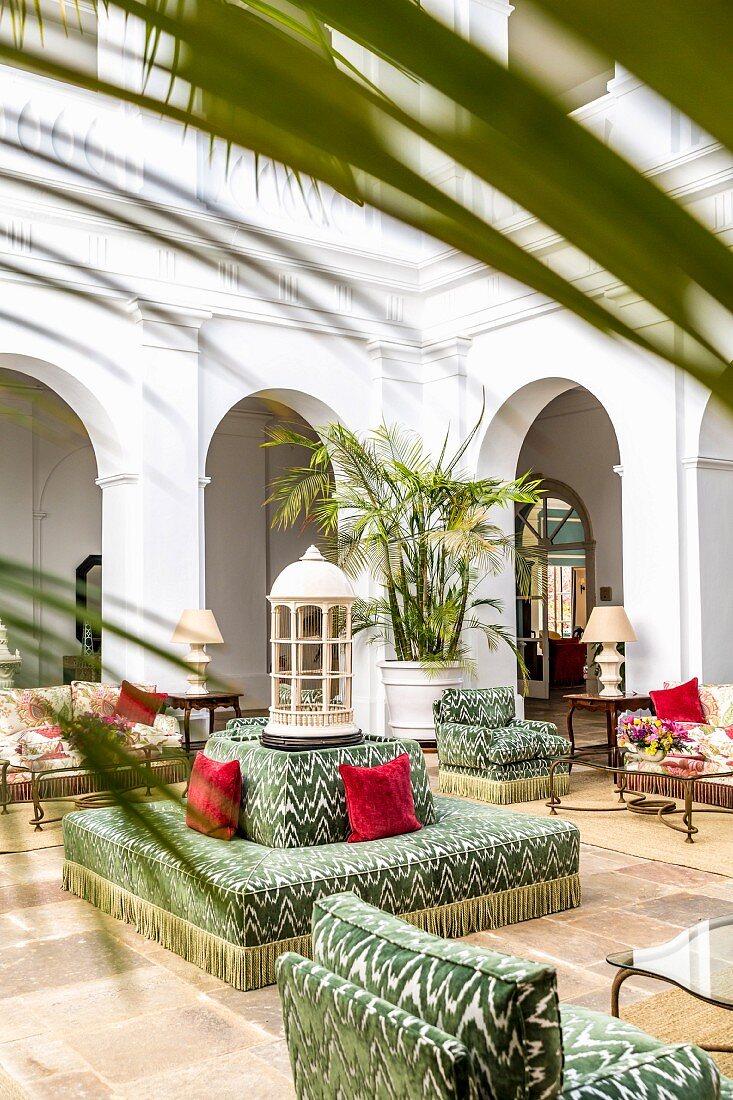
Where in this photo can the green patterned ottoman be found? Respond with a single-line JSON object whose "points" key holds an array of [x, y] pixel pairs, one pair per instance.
{"points": [[297, 799], [485, 752], [233, 908]]}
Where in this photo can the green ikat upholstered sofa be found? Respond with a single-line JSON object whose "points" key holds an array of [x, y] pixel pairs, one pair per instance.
{"points": [[387, 1012], [485, 752], [234, 907]]}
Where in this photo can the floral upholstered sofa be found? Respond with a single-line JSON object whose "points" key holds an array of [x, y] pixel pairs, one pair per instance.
{"points": [[31, 734], [387, 1011], [712, 740]]}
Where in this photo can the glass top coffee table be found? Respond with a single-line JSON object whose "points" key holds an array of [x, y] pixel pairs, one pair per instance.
{"points": [[687, 772], [698, 960]]}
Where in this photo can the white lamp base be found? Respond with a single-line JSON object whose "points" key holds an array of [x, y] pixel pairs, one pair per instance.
{"points": [[198, 661], [610, 661]]}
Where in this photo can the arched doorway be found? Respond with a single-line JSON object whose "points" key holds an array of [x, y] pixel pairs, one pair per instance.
{"points": [[571, 447], [555, 599], [243, 551], [51, 518]]}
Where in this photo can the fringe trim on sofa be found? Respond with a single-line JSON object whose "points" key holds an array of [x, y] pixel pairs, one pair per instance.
{"points": [[501, 792], [85, 782], [253, 967], [708, 792]]}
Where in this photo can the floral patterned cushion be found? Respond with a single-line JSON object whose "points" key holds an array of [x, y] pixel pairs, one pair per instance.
{"points": [[28, 708], [717, 703], [99, 700]]}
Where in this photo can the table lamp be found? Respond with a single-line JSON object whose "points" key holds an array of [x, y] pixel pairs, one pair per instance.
{"points": [[609, 625], [198, 628]]}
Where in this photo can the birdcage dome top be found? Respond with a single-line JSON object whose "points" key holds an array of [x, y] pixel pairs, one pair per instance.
{"points": [[314, 579]]}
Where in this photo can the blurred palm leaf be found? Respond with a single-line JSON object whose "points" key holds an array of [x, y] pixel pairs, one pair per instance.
{"points": [[268, 79]]}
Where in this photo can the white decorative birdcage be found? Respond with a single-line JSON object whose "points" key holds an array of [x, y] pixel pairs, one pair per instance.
{"points": [[311, 673]]}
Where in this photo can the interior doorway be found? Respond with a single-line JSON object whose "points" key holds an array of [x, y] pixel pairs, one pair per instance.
{"points": [[553, 608]]}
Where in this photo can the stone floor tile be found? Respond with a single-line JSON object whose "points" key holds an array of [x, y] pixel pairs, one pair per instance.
{"points": [[24, 867], [71, 1086], [274, 1054], [40, 1056], [646, 930], [46, 964], [259, 1007], [27, 894], [56, 919], [685, 907], [240, 1074], [136, 1048], [673, 875], [616, 889]]}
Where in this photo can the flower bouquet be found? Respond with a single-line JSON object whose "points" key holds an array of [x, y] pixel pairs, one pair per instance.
{"points": [[648, 737]]}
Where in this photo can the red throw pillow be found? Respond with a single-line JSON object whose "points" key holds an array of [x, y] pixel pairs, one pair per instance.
{"points": [[379, 800], [137, 705], [214, 795], [679, 704]]}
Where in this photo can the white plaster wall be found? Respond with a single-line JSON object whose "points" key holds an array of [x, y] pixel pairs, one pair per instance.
{"points": [[244, 553], [573, 441]]}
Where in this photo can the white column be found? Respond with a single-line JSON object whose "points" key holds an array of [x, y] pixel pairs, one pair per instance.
{"points": [[169, 485], [445, 403], [711, 614], [122, 570]]}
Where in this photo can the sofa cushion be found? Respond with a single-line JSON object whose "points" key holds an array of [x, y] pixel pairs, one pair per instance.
{"points": [[680, 703], [99, 700], [28, 708], [717, 703], [214, 794], [504, 1010], [297, 799], [614, 1059], [379, 800], [343, 1041], [478, 747], [491, 707]]}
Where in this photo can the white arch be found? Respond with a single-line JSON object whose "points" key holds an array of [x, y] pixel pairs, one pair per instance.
{"points": [[87, 406], [506, 430], [314, 411]]}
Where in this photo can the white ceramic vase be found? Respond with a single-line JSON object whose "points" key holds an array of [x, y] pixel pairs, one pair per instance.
{"points": [[411, 692]]}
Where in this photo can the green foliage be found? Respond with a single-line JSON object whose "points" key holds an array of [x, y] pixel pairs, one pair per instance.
{"points": [[423, 530]]}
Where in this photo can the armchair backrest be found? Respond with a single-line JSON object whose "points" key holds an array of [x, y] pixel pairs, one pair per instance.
{"points": [[503, 1010], [490, 707]]}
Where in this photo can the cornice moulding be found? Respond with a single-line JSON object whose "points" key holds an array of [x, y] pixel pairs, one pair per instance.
{"points": [[707, 462], [116, 479]]}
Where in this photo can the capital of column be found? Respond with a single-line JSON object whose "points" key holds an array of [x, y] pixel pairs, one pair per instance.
{"points": [[113, 480], [204, 481], [445, 358], [394, 361], [162, 325]]}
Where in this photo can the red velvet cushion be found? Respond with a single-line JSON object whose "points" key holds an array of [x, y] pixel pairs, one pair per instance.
{"points": [[214, 795], [679, 704], [137, 705], [379, 800]]}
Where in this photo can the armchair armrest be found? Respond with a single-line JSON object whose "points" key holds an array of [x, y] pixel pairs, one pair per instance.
{"points": [[667, 1073], [344, 1041]]}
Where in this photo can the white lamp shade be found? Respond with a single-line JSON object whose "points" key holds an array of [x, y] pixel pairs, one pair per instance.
{"points": [[609, 624], [197, 626]]}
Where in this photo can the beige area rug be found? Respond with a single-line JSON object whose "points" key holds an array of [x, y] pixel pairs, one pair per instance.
{"points": [[641, 834], [676, 1017], [18, 835]]}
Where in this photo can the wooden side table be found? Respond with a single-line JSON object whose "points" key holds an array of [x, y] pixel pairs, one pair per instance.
{"points": [[613, 705], [211, 701]]}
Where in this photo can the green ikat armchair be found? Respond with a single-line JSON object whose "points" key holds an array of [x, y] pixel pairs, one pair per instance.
{"points": [[388, 1012], [485, 752]]}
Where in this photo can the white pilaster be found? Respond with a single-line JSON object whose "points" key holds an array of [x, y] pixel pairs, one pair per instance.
{"points": [[170, 495]]}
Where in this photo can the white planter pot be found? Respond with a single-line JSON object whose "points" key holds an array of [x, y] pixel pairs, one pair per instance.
{"points": [[411, 692]]}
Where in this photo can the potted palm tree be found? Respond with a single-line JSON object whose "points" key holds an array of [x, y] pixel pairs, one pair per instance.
{"points": [[425, 532]]}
